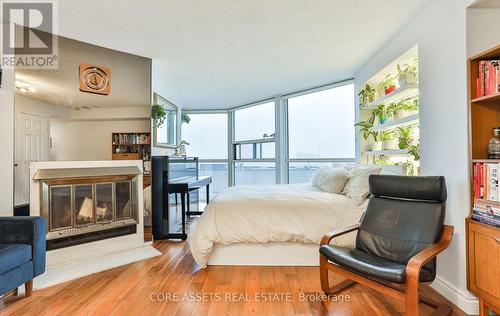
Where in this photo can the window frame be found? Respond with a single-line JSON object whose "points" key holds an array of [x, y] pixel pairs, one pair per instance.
{"points": [[234, 142], [282, 158], [289, 160]]}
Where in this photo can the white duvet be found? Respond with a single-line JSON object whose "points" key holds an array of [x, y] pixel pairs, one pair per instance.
{"points": [[272, 213]]}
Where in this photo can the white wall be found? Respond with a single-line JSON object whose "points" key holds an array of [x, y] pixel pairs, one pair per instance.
{"points": [[440, 32], [482, 30], [160, 86], [7, 143]]}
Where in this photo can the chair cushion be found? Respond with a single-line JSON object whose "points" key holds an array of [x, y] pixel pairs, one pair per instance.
{"points": [[371, 266], [13, 256]]}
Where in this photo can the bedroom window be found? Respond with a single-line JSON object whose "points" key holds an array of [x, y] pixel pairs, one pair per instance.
{"points": [[320, 131], [210, 147], [254, 144]]}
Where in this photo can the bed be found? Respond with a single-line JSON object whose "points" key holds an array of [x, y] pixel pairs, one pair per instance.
{"points": [[271, 225]]}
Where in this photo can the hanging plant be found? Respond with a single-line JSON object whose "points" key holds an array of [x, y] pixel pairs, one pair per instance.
{"points": [[158, 114], [185, 118]]}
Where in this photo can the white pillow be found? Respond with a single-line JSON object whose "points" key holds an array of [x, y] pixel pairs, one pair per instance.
{"points": [[330, 180], [357, 187]]}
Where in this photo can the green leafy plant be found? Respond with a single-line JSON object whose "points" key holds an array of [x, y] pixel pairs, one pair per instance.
{"points": [[409, 166], [387, 82], [414, 150], [366, 95], [366, 129], [383, 112], [406, 105], [185, 118], [158, 114], [405, 137], [407, 69], [386, 136]]}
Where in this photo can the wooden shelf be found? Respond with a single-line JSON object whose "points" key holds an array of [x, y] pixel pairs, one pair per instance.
{"points": [[405, 121], [400, 93], [495, 97], [483, 248], [387, 152], [486, 160]]}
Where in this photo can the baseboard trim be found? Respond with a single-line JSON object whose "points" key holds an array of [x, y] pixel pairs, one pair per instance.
{"points": [[462, 299]]}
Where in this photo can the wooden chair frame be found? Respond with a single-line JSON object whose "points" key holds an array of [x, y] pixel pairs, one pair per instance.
{"points": [[409, 291]]}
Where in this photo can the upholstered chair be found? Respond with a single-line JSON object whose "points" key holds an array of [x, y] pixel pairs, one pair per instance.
{"points": [[398, 239], [22, 252]]}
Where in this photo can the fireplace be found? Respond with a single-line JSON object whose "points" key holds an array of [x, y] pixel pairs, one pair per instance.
{"points": [[88, 204]]}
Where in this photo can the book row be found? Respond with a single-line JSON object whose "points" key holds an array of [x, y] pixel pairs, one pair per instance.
{"points": [[488, 81], [131, 139]]}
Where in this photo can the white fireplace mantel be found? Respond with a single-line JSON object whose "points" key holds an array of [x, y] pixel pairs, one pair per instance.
{"points": [[68, 263]]}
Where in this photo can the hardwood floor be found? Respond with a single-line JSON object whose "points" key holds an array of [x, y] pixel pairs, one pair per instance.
{"points": [[168, 285]]}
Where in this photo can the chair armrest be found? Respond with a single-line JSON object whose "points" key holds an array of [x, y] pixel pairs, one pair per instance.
{"points": [[417, 262], [339, 232], [26, 230]]}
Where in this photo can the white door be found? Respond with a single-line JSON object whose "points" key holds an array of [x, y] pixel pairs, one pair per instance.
{"points": [[32, 144]]}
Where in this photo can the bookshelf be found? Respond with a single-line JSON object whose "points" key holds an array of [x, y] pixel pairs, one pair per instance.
{"points": [[133, 146], [483, 241]]}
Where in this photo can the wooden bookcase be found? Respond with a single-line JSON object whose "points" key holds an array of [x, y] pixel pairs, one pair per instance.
{"points": [[132, 146], [483, 241]]}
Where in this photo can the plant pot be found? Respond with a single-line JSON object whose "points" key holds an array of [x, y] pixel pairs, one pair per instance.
{"points": [[390, 89], [404, 113], [410, 78], [380, 92], [390, 144], [377, 146]]}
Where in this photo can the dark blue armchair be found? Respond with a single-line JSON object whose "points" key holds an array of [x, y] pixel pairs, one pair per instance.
{"points": [[22, 252]]}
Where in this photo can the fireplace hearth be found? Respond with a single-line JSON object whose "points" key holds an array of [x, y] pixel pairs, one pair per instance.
{"points": [[88, 204]]}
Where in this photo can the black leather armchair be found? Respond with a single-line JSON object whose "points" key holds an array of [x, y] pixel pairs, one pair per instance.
{"points": [[397, 240]]}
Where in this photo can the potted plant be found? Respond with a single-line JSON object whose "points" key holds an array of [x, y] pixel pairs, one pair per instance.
{"points": [[384, 113], [158, 114], [366, 95], [185, 118], [366, 130], [389, 141], [377, 144], [405, 108], [408, 167], [414, 150], [405, 137], [408, 73], [388, 84]]}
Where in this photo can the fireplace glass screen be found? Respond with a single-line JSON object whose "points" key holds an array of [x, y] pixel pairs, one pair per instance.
{"points": [[84, 205], [60, 204], [104, 202], [123, 201]]}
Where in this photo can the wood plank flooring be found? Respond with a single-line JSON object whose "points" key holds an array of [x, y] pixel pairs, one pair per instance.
{"points": [[173, 284]]}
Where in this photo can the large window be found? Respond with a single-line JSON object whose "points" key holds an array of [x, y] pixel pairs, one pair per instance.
{"points": [[254, 145], [207, 135], [315, 129], [254, 122], [320, 130]]}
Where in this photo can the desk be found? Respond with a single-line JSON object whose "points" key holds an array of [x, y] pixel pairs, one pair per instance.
{"points": [[183, 186]]}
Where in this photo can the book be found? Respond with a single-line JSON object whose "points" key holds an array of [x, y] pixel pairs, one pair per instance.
{"points": [[488, 213], [488, 81], [492, 191]]}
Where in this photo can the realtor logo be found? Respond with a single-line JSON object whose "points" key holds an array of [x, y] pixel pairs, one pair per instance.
{"points": [[28, 39]]}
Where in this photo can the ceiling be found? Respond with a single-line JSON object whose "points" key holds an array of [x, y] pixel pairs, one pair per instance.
{"points": [[224, 53], [130, 78]]}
